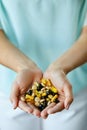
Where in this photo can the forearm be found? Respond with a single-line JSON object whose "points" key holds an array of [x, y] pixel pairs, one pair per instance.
{"points": [[75, 56], [11, 57]]}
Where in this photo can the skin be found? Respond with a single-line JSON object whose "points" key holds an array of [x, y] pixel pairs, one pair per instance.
{"points": [[28, 72]]}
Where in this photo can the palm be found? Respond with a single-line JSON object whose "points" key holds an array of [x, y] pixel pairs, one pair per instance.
{"points": [[23, 82], [60, 81]]}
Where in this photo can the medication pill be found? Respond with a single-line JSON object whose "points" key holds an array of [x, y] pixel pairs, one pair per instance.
{"points": [[41, 94]]}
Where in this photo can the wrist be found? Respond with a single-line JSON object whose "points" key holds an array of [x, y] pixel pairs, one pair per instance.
{"points": [[61, 66], [26, 64]]}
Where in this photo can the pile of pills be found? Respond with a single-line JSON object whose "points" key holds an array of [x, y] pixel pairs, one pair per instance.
{"points": [[41, 94]]}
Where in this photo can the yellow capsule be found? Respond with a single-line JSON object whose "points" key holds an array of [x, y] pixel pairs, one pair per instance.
{"points": [[29, 101], [38, 94], [55, 97], [36, 83], [44, 94], [47, 99], [43, 81], [48, 83], [34, 87], [29, 97], [50, 96], [53, 89], [34, 91]]}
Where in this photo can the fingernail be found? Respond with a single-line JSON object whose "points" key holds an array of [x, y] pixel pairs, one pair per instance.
{"points": [[14, 106], [38, 116], [45, 117], [30, 111], [49, 112]]}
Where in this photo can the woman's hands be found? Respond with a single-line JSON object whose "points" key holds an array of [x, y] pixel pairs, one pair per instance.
{"points": [[58, 78], [26, 77], [22, 83]]}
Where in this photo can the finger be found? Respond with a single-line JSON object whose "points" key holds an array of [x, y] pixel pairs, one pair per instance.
{"points": [[14, 97], [44, 113], [61, 98], [22, 105], [57, 108], [35, 112], [68, 95]]}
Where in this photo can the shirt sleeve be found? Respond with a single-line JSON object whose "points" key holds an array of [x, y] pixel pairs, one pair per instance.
{"points": [[0, 25], [85, 22]]}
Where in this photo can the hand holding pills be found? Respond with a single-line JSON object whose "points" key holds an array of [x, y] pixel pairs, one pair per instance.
{"points": [[41, 94]]}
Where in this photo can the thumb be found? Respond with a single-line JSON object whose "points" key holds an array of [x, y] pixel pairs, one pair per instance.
{"points": [[14, 97]]}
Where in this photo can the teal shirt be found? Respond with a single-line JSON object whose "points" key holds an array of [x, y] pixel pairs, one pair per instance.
{"points": [[43, 30]]}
